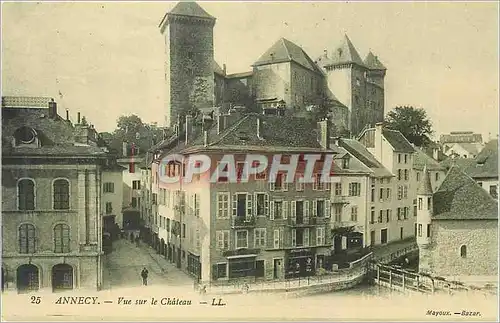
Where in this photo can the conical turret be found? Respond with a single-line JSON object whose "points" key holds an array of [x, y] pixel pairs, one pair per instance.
{"points": [[425, 187]]}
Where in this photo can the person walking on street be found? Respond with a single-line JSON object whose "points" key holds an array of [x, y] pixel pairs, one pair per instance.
{"points": [[144, 275]]}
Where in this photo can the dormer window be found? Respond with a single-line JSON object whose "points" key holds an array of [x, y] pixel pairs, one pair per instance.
{"points": [[26, 136], [345, 162]]}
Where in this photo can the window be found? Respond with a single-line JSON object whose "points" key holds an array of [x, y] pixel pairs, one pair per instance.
{"points": [[222, 270], [372, 216], [406, 174], [109, 207], [136, 202], [399, 158], [299, 185], [318, 185], [338, 189], [222, 205], [420, 201], [401, 235], [436, 176], [320, 236], [373, 195], [183, 230], [27, 238], [26, 194], [196, 205], [241, 267], [388, 194], [61, 238], [383, 236], [388, 216], [414, 210], [399, 214], [278, 210], [279, 184], [338, 213], [429, 203], [418, 176], [354, 213], [261, 175], [428, 230], [354, 189], [463, 251], [419, 230], [262, 201], [399, 174], [493, 191], [260, 237], [405, 212], [345, 163], [276, 239], [136, 185], [320, 208], [61, 194], [381, 216], [406, 159], [154, 198], [241, 239], [381, 194], [108, 187], [240, 167]]}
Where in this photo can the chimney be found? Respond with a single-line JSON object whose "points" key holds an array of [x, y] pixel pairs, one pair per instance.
{"points": [[224, 69], [78, 118], [272, 56], [52, 109], [124, 149], [326, 53], [205, 138], [189, 128], [221, 123], [259, 134], [67, 115], [324, 133], [435, 153]]}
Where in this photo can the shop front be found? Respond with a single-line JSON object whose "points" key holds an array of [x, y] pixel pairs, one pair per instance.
{"points": [[300, 263], [194, 265]]}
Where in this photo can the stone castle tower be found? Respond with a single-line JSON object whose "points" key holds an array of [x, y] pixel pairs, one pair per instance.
{"points": [[189, 60], [424, 215], [358, 84]]}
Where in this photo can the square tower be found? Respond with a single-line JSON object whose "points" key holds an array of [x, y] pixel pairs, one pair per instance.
{"points": [[189, 58]]}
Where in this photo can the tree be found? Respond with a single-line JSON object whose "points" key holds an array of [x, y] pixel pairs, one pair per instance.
{"points": [[412, 122]]}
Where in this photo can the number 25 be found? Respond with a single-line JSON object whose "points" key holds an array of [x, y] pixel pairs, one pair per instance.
{"points": [[35, 300]]}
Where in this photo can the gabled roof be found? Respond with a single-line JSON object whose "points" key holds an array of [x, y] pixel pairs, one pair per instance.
{"points": [[421, 160], [425, 187], [460, 198], [373, 63], [346, 53], [462, 163], [397, 141], [359, 151], [189, 8], [486, 162], [286, 51]]}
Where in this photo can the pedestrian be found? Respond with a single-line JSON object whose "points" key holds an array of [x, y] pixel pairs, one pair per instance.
{"points": [[203, 290], [137, 241], [144, 275]]}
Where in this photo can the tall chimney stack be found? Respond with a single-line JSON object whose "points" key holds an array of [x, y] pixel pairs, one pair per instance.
{"points": [[52, 109], [205, 138], [189, 128], [324, 133], [67, 115], [259, 134], [78, 118]]}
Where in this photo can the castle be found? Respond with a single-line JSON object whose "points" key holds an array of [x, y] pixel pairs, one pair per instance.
{"points": [[352, 89]]}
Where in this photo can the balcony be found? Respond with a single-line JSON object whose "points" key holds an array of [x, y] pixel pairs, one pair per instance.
{"points": [[243, 222], [301, 222], [339, 199]]}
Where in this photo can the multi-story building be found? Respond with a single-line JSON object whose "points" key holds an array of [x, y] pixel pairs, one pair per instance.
{"points": [[228, 230], [112, 195], [457, 229], [352, 88], [131, 162], [484, 168], [395, 153], [379, 200], [437, 172], [51, 197], [465, 144]]}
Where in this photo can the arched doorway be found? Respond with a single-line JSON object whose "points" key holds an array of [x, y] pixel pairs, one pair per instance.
{"points": [[62, 277], [27, 278]]}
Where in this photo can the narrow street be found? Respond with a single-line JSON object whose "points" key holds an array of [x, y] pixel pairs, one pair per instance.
{"points": [[122, 267]]}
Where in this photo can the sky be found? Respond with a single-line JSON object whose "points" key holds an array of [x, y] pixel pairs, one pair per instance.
{"points": [[106, 58]]}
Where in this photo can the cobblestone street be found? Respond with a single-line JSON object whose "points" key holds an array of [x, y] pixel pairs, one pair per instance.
{"points": [[123, 266]]}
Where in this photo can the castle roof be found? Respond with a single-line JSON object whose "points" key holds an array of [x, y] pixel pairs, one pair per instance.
{"points": [[346, 53], [460, 198], [373, 63], [460, 136], [425, 187], [422, 160], [486, 163], [286, 51], [191, 9]]}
